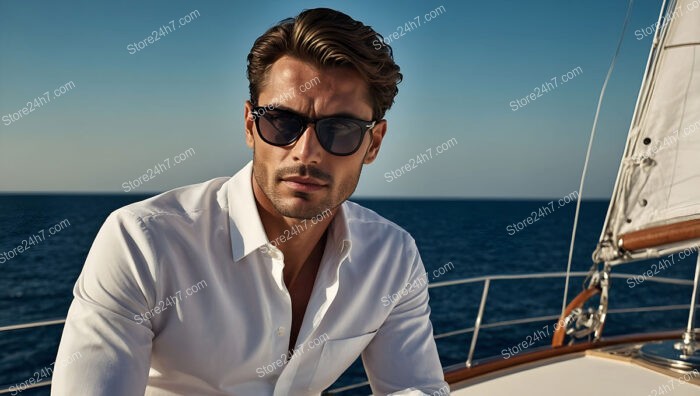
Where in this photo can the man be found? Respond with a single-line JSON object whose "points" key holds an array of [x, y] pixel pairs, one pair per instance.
{"points": [[269, 282]]}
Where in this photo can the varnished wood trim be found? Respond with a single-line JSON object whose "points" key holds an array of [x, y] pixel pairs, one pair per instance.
{"points": [[479, 369], [661, 235]]}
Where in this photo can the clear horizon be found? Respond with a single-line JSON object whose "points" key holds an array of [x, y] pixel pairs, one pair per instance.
{"points": [[497, 100]]}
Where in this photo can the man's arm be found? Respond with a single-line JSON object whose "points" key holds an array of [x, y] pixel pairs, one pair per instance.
{"points": [[104, 350], [403, 353]]}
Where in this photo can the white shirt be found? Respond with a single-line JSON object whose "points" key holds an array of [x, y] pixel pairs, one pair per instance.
{"points": [[183, 294]]}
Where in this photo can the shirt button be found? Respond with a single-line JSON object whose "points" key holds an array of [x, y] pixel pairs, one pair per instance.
{"points": [[280, 331]]}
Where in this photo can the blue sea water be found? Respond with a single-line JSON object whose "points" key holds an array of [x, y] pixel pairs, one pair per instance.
{"points": [[471, 234]]}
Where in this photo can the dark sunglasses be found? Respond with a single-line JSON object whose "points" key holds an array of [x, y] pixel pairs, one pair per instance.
{"points": [[337, 135]]}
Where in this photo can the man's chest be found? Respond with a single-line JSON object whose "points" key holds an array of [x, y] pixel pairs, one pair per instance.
{"points": [[247, 318], [299, 294]]}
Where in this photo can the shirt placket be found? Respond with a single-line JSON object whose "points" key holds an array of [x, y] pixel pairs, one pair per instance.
{"points": [[282, 321], [319, 303]]}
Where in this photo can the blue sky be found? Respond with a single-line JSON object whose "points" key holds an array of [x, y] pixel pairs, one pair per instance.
{"points": [[126, 113]]}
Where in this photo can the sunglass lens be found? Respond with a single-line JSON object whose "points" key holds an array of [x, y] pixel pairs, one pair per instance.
{"points": [[279, 128], [339, 136]]}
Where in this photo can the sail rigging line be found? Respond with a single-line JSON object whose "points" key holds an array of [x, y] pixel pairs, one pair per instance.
{"points": [[588, 152]]}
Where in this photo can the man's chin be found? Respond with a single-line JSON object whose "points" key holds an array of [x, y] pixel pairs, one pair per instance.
{"points": [[297, 207]]}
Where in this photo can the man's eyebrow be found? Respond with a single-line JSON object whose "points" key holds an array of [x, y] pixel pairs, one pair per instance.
{"points": [[335, 115]]}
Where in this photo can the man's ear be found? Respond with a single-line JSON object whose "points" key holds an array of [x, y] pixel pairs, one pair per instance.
{"points": [[249, 124], [378, 133]]}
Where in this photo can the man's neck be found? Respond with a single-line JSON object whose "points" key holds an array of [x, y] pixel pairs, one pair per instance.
{"points": [[299, 239]]}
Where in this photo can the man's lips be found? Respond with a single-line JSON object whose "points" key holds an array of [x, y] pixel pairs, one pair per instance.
{"points": [[303, 183]]}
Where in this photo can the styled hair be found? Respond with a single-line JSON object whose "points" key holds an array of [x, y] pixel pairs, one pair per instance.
{"points": [[328, 38]]}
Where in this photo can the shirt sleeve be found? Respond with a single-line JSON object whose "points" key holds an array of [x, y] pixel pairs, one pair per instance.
{"points": [[402, 358], [105, 348]]}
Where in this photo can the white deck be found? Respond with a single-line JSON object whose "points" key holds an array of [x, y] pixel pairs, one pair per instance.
{"points": [[584, 376]]}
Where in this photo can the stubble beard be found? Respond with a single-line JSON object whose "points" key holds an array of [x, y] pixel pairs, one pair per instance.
{"points": [[271, 186]]}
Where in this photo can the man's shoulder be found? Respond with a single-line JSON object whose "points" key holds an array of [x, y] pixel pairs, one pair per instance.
{"points": [[181, 202]]}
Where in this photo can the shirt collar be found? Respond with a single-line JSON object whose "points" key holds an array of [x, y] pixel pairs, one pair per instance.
{"points": [[339, 231], [247, 231], [246, 228]]}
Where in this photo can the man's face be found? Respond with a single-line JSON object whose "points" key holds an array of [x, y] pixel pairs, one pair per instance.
{"points": [[328, 180]]}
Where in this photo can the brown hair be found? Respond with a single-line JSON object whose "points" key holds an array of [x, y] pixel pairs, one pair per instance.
{"points": [[328, 38]]}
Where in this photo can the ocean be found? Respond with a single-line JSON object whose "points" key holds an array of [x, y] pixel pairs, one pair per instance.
{"points": [[457, 239]]}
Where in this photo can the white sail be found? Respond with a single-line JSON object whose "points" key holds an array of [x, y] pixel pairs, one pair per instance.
{"points": [[658, 183]]}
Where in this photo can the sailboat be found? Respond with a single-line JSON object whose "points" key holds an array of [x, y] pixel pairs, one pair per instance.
{"points": [[654, 212]]}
